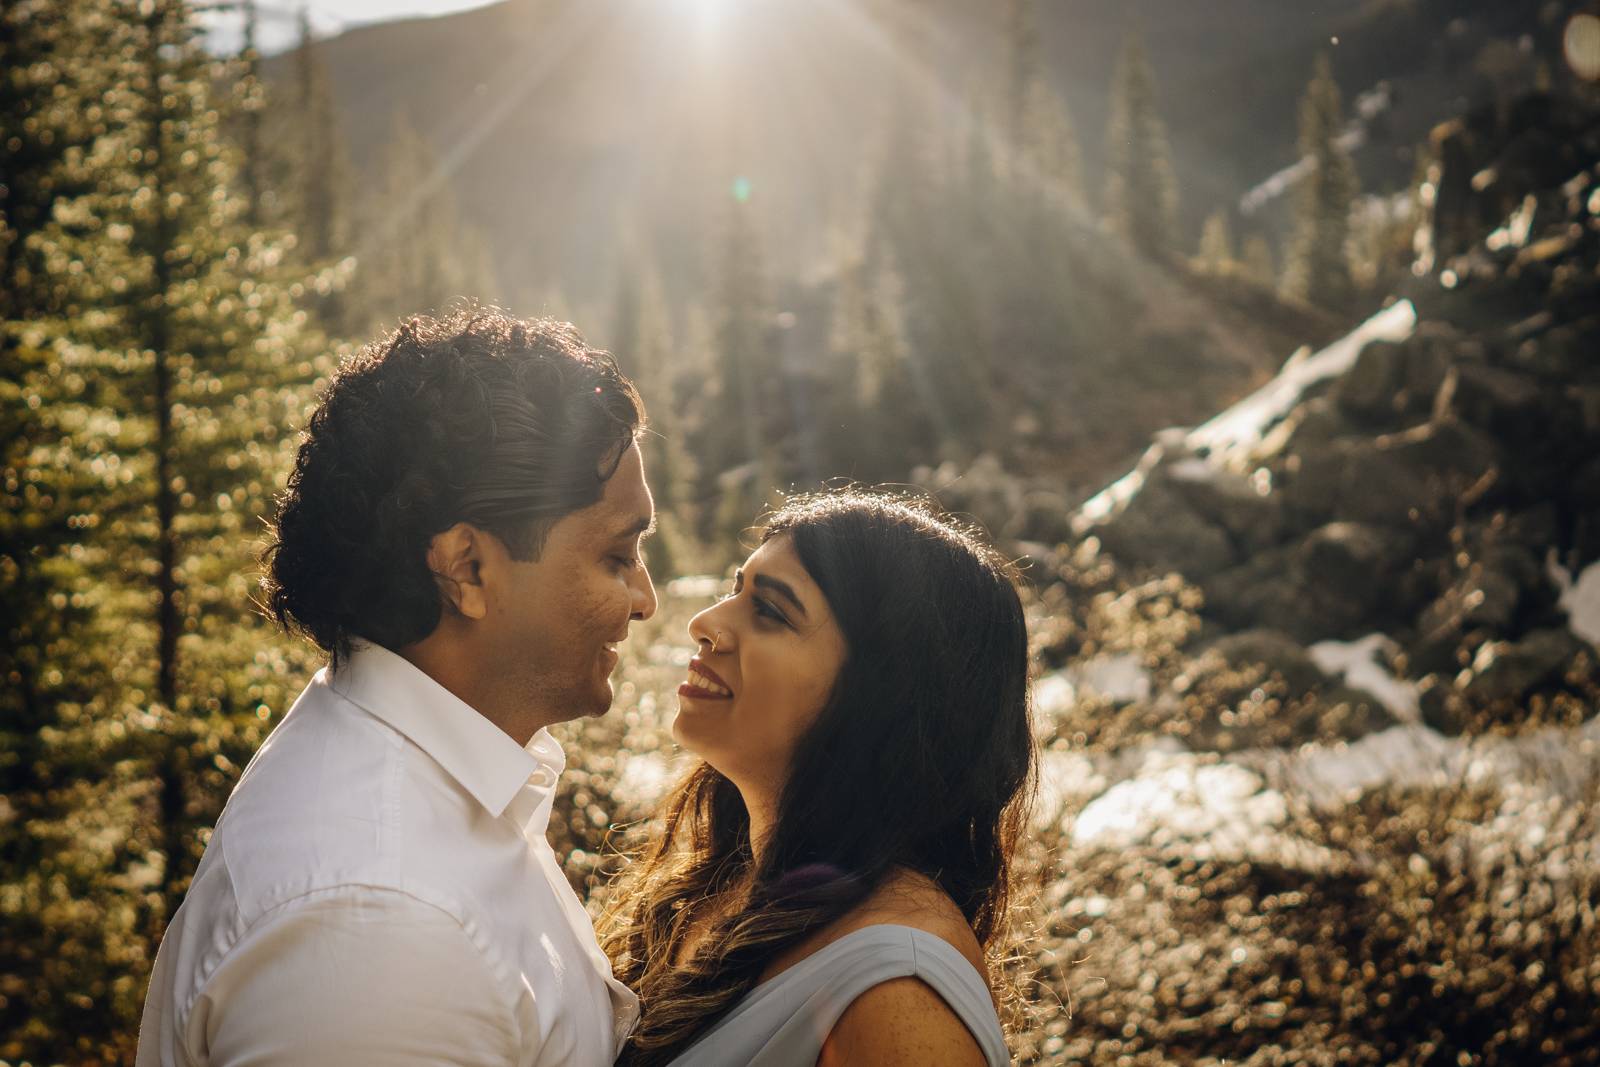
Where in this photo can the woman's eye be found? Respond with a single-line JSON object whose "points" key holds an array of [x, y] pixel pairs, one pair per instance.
{"points": [[767, 611]]}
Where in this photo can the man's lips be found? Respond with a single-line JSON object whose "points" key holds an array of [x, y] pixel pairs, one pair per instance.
{"points": [[704, 683]]}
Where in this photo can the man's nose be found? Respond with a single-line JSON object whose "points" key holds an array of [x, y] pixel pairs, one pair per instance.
{"points": [[643, 592]]}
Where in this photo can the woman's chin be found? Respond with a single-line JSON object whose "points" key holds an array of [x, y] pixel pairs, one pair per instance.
{"points": [[689, 727]]}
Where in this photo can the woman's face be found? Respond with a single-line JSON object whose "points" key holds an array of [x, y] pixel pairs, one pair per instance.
{"points": [[777, 652]]}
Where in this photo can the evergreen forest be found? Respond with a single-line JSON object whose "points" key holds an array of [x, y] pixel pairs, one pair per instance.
{"points": [[982, 282]]}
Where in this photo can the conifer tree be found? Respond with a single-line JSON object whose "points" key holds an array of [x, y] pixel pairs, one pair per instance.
{"points": [[168, 364], [739, 424], [1051, 147], [249, 104], [641, 339], [1216, 245], [1141, 197], [59, 58], [420, 254], [1040, 139], [1318, 262], [320, 162], [1258, 265], [60, 959], [1022, 68]]}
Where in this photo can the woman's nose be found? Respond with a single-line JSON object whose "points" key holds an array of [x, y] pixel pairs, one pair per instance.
{"points": [[710, 627]]}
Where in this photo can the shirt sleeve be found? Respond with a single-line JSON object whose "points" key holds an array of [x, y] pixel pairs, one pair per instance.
{"points": [[360, 976]]}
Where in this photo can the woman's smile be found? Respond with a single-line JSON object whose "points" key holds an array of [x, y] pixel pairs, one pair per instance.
{"points": [[703, 683]]}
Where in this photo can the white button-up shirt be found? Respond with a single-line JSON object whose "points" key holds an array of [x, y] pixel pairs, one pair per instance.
{"points": [[379, 890]]}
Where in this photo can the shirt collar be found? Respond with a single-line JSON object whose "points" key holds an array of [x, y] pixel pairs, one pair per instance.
{"points": [[471, 749]]}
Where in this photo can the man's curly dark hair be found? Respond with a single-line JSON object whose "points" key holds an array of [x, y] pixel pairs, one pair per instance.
{"points": [[477, 417]]}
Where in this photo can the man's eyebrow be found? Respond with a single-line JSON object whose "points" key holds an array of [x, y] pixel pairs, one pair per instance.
{"points": [[638, 528], [782, 588]]}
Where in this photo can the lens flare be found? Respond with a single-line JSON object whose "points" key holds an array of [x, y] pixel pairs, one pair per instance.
{"points": [[1581, 42]]}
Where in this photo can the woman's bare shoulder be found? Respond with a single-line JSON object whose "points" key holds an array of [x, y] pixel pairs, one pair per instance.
{"points": [[905, 898], [900, 1023]]}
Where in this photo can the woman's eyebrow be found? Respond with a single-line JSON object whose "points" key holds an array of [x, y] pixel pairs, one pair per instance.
{"points": [[783, 589]]}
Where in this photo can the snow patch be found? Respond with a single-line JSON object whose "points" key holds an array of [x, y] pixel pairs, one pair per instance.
{"points": [[1053, 696], [1208, 810], [1579, 599], [1064, 777], [1110, 500], [1121, 678], [1556, 761], [1357, 663], [1228, 438]]}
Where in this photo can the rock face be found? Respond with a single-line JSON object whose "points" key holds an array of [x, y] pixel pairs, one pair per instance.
{"points": [[1415, 492], [1353, 816]]}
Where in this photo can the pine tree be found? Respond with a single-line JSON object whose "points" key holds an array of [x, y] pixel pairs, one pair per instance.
{"points": [[739, 422], [167, 364], [1216, 245], [420, 254], [1258, 266], [1050, 148], [1318, 264], [641, 339], [320, 163], [1141, 197], [1041, 143], [1022, 68], [250, 103], [60, 959]]}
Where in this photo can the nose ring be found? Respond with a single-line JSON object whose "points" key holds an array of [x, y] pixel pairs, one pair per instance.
{"points": [[716, 637]]}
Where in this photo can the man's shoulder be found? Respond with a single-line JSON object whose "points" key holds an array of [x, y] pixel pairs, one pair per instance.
{"points": [[320, 806]]}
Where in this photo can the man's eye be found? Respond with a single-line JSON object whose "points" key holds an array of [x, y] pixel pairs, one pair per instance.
{"points": [[626, 562]]}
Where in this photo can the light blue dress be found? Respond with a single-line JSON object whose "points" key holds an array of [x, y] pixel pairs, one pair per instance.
{"points": [[783, 1021]]}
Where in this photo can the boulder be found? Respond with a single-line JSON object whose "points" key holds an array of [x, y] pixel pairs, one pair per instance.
{"points": [[1276, 652], [1349, 556], [1158, 529], [1443, 449], [1429, 354], [1309, 427], [1357, 480], [1585, 401], [1567, 353], [1507, 670], [1480, 597], [1369, 389], [1489, 398], [1310, 590], [1262, 592], [1251, 517]]}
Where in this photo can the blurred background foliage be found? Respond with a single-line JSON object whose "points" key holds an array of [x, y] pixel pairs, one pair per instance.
{"points": [[1316, 680]]}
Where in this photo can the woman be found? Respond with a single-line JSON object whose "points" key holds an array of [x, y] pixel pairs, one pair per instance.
{"points": [[830, 885]]}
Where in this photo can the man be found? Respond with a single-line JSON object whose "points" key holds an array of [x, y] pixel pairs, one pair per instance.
{"points": [[461, 535]]}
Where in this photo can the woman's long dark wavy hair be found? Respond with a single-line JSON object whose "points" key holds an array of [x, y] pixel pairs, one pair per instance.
{"points": [[923, 757]]}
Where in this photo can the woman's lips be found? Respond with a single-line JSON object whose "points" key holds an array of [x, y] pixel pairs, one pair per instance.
{"points": [[704, 683]]}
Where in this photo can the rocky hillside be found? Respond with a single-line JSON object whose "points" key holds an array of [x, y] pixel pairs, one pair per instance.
{"points": [[1317, 680], [1428, 486], [1319, 676]]}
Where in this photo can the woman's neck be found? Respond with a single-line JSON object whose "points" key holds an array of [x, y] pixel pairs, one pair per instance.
{"points": [[761, 807]]}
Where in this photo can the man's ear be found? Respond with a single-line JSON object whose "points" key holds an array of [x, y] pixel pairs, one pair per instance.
{"points": [[455, 556]]}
